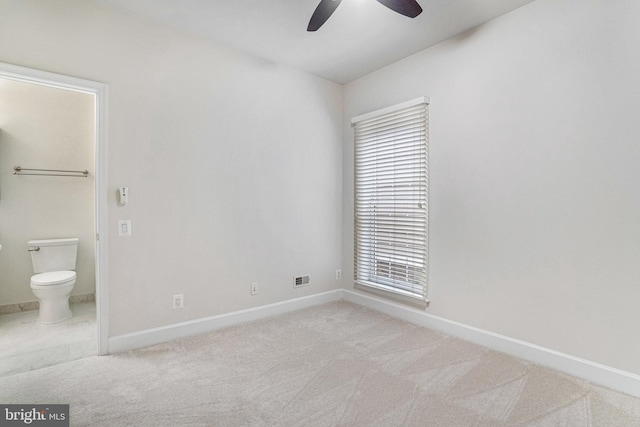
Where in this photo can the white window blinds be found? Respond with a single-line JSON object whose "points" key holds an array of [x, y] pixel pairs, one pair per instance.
{"points": [[391, 184]]}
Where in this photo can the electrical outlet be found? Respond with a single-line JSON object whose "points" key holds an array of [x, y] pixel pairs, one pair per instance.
{"points": [[254, 288], [178, 301], [339, 274]]}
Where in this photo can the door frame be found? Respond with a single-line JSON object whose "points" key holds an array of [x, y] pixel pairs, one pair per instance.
{"points": [[99, 91]]}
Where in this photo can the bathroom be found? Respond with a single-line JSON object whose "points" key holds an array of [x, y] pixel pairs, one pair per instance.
{"points": [[43, 127]]}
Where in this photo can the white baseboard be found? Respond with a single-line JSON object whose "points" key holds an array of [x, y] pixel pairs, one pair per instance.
{"points": [[596, 373], [180, 330]]}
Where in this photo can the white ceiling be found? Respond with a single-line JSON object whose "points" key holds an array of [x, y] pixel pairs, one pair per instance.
{"points": [[360, 37]]}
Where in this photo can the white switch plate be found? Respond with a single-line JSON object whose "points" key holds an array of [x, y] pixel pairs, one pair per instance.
{"points": [[124, 227]]}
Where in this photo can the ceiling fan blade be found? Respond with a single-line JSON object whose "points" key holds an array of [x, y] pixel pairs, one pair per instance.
{"points": [[324, 10], [409, 8]]}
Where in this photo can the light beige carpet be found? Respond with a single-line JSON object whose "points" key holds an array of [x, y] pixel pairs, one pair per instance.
{"points": [[338, 364]]}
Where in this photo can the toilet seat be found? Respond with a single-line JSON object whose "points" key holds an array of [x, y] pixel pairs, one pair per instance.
{"points": [[52, 278]]}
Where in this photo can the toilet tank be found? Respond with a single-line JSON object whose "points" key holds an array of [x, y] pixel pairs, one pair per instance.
{"points": [[53, 254]]}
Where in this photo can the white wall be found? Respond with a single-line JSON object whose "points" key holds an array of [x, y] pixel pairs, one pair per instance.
{"points": [[534, 176], [233, 164], [43, 127]]}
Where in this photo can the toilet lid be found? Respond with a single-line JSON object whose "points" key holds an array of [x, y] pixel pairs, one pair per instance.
{"points": [[53, 278]]}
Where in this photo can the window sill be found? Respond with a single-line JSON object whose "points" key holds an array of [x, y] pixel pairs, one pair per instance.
{"points": [[393, 296]]}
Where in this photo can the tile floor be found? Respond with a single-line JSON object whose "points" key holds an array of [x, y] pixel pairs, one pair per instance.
{"points": [[25, 345]]}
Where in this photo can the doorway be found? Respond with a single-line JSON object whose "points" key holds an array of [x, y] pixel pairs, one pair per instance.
{"points": [[96, 93]]}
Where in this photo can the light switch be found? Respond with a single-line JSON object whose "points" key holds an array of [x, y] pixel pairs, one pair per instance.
{"points": [[123, 195], [124, 227]]}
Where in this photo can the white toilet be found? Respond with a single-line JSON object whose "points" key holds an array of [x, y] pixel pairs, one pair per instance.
{"points": [[53, 262]]}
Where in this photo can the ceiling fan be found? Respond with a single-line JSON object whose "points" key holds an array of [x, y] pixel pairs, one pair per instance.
{"points": [[325, 9]]}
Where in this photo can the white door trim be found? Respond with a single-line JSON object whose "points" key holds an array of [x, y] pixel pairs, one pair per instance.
{"points": [[99, 90]]}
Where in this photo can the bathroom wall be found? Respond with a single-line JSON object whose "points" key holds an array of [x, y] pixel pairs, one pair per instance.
{"points": [[43, 127], [233, 163], [534, 174]]}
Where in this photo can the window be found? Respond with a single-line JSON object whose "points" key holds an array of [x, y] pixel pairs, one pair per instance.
{"points": [[391, 200]]}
